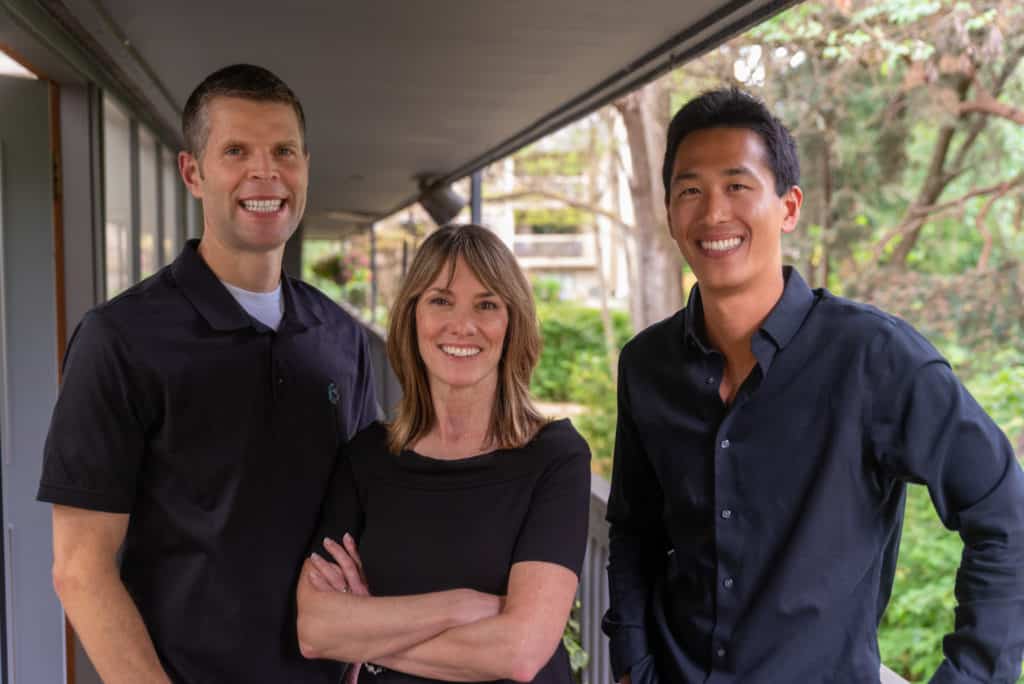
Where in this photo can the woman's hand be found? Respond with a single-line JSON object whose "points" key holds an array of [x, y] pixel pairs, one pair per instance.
{"points": [[346, 576]]}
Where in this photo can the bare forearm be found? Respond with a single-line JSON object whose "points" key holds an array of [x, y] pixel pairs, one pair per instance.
{"points": [[503, 647], [110, 627], [365, 628]]}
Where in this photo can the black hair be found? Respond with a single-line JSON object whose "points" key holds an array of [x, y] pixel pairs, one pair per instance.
{"points": [[734, 108], [238, 80]]}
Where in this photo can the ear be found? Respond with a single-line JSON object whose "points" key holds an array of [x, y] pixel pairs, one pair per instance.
{"points": [[792, 201], [188, 167]]}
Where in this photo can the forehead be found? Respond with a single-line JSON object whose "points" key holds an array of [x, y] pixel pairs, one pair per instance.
{"points": [[461, 277], [713, 149], [243, 118]]}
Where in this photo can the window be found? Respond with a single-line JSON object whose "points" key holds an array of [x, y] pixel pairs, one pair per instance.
{"points": [[172, 197], [149, 208], [117, 182]]}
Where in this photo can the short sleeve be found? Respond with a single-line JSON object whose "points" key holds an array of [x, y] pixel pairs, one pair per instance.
{"points": [[555, 529], [97, 437], [342, 510]]}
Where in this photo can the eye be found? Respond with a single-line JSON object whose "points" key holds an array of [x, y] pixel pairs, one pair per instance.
{"points": [[735, 187], [488, 305], [438, 300], [689, 192], [285, 151], [233, 150]]}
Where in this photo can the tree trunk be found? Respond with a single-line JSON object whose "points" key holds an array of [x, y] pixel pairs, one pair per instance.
{"points": [[658, 286]]}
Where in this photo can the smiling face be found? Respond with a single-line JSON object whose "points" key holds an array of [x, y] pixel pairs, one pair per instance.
{"points": [[724, 213], [460, 330], [251, 175]]}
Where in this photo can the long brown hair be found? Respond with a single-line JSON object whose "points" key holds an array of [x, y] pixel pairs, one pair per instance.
{"points": [[514, 419]]}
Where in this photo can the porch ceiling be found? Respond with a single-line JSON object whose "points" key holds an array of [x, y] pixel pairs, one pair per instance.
{"points": [[396, 89]]}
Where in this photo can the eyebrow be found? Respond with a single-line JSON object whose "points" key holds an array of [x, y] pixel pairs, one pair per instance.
{"points": [[731, 171], [445, 290]]}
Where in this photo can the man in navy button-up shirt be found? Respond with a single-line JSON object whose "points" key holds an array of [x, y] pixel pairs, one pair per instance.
{"points": [[766, 435]]}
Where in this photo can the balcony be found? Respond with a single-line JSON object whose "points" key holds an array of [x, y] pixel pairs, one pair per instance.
{"points": [[559, 251]]}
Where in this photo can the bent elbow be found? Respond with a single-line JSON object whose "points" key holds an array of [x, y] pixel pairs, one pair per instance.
{"points": [[309, 651], [528, 658], [306, 634]]}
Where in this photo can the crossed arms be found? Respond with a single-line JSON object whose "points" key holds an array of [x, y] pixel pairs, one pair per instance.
{"points": [[459, 635]]}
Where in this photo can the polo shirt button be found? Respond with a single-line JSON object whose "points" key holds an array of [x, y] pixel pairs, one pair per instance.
{"points": [[710, 381], [720, 652], [727, 583], [280, 380], [726, 513], [725, 443]]}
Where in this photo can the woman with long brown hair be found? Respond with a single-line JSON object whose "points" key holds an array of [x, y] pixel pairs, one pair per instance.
{"points": [[451, 539]]}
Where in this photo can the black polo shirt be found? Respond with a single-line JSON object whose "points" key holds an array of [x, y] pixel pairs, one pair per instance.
{"points": [[757, 542], [218, 436]]}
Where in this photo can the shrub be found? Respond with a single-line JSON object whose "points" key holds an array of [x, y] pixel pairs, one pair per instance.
{"points": [[569, 333]]}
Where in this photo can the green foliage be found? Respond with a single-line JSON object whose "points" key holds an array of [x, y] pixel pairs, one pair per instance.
{"points": [[578, 658], [547, 290], [550, 163], [546, 221], [921, 609], [569, 332], [592, 385]]}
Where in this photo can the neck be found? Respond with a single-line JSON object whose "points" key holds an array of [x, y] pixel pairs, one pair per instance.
{"points": [[463, 420], [732, 318], [253, 271]]}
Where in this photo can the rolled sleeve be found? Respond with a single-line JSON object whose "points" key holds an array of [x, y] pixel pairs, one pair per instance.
{"points": [[932, 431]]}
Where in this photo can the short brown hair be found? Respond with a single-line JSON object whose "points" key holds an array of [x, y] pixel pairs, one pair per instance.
{"points": [[246, 81], [514, 419]]}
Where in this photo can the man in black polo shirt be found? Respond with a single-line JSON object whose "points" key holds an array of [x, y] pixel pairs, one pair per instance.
{"points": [[766, 435], [199, 418]]}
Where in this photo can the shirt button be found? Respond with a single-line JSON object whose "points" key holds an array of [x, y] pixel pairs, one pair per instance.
{"points": [[710, 381], [720, 652], [727, 583], [280, 380], [725, 443], [726, 513]]}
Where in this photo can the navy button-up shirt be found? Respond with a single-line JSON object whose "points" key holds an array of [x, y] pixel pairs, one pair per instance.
{"points": [[756, 542]]}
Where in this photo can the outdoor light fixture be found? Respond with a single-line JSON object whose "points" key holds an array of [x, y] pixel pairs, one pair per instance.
{"points": [[441, 202]]}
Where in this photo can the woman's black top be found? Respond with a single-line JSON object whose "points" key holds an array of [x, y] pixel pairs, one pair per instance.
{"points": [[426, 524]]}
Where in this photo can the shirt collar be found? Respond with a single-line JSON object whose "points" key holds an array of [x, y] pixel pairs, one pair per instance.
{"points": [[216, 305], [790, 311], [783, 321]]}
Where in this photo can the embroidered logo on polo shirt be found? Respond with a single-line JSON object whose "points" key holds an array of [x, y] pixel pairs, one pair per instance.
{"points": [[332, 393]]}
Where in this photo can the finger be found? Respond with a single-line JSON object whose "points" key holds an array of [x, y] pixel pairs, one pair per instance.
{"points": [[352, 576], [331, 572], [350, 546], [318, 581]]}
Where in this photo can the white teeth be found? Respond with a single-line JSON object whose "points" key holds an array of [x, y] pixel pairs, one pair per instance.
{"points": [[460, 351], [262, 206], [721, 245]]}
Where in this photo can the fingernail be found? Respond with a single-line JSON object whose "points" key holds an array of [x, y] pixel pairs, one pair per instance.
{"points": [[347, 537], [316, 557], [329, 542]]}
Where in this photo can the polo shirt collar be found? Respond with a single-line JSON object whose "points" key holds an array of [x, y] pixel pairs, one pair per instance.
{"points": [[215, 304], [782, 323]]}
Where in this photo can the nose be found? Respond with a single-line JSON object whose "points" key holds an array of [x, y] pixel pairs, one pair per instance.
{"points": [[263, 166], [462, 323], [716, 207]]}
